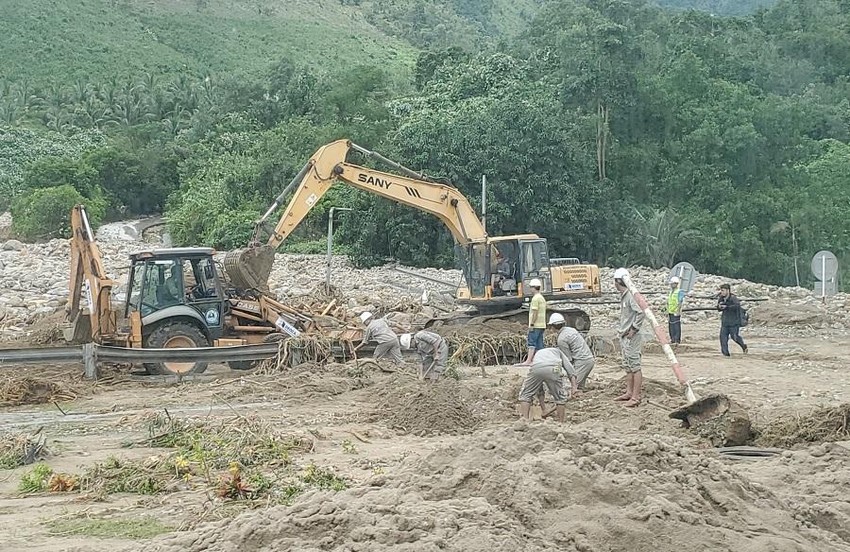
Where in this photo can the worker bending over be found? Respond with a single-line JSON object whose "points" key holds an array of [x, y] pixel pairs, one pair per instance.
{"points": [[433, 352], [379, 330], [547, 369], [572, 344]]}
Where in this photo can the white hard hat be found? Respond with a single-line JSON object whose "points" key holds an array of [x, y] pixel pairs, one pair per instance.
{"points": [[675, 280], [621, 273], [535, 283], [556, 318], [404, 340], [365, 316]]}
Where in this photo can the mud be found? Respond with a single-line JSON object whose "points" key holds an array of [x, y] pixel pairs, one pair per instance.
{"points": [[542, 487], [410, 406]]}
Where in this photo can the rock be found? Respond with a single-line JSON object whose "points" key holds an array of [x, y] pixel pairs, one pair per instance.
{"points": [[12, 245]]}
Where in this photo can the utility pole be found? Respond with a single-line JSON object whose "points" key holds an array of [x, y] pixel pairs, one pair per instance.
{"points": [[331, 242]]}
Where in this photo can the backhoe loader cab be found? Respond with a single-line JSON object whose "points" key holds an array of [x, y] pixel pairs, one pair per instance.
{"points": [[175, 299]]}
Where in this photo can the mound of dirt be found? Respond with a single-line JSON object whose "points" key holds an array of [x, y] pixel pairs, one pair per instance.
{"points": [[536, 487], [424, 408], [779, 315]]}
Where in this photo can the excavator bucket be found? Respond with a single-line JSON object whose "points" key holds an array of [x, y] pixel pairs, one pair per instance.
{"points": [[250, 268]]}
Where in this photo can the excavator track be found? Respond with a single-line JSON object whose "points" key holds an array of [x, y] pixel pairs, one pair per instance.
{"points": [[574, 318]]}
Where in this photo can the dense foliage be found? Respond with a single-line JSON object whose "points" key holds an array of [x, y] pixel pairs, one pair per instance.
{"points": [[621, 131]]}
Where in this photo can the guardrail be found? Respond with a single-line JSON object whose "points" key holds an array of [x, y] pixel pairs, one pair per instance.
{"points": [[90, 354]]}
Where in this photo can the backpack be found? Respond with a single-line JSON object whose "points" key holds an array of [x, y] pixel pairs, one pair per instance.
{"points": [[745, 317]]}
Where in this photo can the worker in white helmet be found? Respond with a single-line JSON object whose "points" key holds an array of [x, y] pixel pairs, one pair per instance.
{"points": [[572, 344], [377, 329], [631, 319], [675, 299], [432, 349], [536, 320], [546, 371]]}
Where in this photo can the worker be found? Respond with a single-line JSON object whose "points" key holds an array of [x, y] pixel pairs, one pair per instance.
{"points": [[674, 310], [379, 330], [730, 320], [547, 368], [536, 321], [173, 288], [572, 344], [432, 349], [631, 320]]}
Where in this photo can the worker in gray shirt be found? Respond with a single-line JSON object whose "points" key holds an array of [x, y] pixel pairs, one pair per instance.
{"points": [[631, 319], [379, 330], [546, 369], [572, 344], [433, 351]]}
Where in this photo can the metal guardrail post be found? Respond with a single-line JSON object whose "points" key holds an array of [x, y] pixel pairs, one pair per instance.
{"points": [[90, 361]]}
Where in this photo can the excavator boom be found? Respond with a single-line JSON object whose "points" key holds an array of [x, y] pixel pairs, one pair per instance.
{"points": [[250, 268]]}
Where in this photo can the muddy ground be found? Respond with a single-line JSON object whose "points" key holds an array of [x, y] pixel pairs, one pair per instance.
{"points": [[404, 466]]}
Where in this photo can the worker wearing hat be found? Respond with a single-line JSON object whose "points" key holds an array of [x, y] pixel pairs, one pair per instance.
{"points": [[432, 349], [536, 321], [379, 330], [572, 344], [674, 310], [631, 319]]}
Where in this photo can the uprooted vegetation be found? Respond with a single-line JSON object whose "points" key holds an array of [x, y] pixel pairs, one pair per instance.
{"points": [[21, 449], [237, 459], [818, 426]]}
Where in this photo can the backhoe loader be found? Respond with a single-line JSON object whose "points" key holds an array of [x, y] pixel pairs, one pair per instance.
{"points": [[174, 299], [496, 269]]}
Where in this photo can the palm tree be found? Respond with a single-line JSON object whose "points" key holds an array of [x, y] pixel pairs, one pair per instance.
{"points": [[663, 233]]}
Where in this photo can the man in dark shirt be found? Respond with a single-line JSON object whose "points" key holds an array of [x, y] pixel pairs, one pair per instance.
{"points": [[730, 320]]}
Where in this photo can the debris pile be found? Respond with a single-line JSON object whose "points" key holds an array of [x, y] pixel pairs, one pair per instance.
{"points": [[424, 409], [798, 429]]}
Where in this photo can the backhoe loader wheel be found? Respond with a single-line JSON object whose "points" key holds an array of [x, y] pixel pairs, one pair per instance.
{"points": [[176, 335]]}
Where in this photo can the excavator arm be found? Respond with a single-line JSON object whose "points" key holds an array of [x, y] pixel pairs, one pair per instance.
{"points": [[251, 268], [329, 165], [97, 319]]}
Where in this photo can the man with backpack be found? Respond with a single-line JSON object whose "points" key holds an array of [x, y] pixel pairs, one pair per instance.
{"points": [[732, 318]]}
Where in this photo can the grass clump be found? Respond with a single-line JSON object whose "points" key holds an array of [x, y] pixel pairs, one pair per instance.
{"points": [[136, 528]]}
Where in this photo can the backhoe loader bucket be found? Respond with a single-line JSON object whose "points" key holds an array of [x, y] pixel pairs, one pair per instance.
{"points": [[250, 268]]}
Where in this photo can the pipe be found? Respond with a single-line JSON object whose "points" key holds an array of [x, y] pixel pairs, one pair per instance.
{"points": [[391, 163], [484, 202], [279, 199]]}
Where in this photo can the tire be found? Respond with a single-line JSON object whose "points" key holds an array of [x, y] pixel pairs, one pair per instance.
{"points": [[251, 364], [176, 334]]}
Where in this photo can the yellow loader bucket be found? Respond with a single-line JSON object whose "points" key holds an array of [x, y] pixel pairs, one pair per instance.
{"points": [[250, 268]]}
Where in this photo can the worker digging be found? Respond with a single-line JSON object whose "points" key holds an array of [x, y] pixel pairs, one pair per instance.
{"points": [[378, 330], [572, 344], [433, 351], [547, 370]]}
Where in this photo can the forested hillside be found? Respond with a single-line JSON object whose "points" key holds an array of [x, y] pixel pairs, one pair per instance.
{"points": [[621, 131]]}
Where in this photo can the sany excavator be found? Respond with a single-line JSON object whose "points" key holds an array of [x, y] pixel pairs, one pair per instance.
{"points": [[174, 299], [496, 269]]}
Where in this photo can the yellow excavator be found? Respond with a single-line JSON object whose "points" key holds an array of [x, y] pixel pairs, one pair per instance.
{"points": [[174, 299], [496, 270]]}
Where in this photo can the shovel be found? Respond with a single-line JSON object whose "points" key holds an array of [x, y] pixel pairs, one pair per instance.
{"points": [[663, 338], [425, 373]]}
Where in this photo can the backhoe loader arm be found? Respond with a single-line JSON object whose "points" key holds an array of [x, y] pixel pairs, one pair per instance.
{"points": [[328, 165], [87, 273]]}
